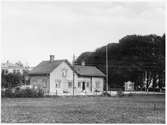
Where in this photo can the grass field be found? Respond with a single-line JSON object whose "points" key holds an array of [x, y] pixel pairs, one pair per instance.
{"points": [[133, 109]]}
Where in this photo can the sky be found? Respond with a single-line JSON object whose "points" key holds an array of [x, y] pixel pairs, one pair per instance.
{"points": [[31, 31]]}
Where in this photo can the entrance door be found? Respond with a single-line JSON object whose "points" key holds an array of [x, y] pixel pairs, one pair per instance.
{"points": [[83, 86]]}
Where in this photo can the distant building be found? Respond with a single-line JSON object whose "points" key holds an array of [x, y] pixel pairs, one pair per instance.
{"points": [[129, 86], [14, 67], [59, 77]]}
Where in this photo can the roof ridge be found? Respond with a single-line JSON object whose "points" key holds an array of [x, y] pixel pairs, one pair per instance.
{"points": [[85, 66], [54, 60]]}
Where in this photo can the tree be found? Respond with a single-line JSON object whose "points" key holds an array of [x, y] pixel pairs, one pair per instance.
{"points": [[137, 58], [11, 80]]}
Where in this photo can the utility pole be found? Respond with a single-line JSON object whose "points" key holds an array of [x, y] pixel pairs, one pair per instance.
{"points": [[107, 67], [73, 63]]}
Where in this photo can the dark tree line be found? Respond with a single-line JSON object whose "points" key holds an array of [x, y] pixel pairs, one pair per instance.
{"points": [[12, 79], [136, 58]]}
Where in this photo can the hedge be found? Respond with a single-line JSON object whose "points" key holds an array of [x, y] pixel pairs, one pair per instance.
{"points": [[16, 93]]}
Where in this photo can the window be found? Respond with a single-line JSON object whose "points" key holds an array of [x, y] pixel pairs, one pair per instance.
{"points": [[5, 71], [14, 71], [57, 83], [87, 84], [79, 84], [97, 84], [64, 73], [34, 82], [69, 84], [18, 71], [44, 83]]}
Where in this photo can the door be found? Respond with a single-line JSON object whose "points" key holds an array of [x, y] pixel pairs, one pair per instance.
{"points": [[83, 86]]}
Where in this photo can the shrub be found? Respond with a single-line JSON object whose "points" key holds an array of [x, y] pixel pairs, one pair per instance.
{"points": [[96, 90], [105, 94], [23, 93], [17, 93], [130, 94], [154, 89], [3, 93], [116, 89], [29, 93], [9, 93], [40, 93], [120, 93]]}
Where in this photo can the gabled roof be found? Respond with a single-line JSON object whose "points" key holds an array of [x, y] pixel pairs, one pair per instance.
{"points": [[45, 67], [88, 71]]}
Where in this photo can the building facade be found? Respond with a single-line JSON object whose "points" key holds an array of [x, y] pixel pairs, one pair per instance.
{"points": [[13, 68], [59, 77]]}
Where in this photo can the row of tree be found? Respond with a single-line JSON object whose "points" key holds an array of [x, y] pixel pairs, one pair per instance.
{"points": [[12, 79], [136, 58]]}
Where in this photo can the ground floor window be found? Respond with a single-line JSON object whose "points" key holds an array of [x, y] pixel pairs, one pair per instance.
{"points": [[44, 81], [83, 85], [57, 83], [14, 71], [69, 84], [97, 84], [34, 82], [87, 84], [79, 84]]}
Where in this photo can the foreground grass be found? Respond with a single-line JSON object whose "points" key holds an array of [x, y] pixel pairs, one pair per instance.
{"points": [[134, 109]]}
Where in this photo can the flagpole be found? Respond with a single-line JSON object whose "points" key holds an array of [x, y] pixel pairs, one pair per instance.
{"points": [[73, 72], [107, 67]]}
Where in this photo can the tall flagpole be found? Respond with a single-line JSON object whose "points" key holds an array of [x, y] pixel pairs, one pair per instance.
{"points": [[73, 73], [107, 67]]}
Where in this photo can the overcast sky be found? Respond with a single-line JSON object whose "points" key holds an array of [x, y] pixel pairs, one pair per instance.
{"points": [[31, 31]]}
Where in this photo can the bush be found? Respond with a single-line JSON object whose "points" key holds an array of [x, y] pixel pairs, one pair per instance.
{"points": [[120, 93], [40, 93], [17, 93], [23, 93], [105, 94], [8, 93], [130, 94], [116, 89], [96, 90], [154, 89], [3, 92]]}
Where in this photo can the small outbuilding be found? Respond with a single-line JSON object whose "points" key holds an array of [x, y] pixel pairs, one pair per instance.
{"points": [[129, 86]]}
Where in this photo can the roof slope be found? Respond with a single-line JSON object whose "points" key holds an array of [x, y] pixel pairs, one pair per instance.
{"points": [[45, 67], [88, 71]]}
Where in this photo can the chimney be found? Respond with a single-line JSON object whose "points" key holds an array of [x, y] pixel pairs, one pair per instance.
{"points": [[52, 58], [83, 63]]}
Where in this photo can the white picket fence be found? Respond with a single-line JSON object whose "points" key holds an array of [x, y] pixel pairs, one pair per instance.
{"points": [[135, 93]]}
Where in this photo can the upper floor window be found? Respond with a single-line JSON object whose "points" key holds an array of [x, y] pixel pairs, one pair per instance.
{"points": [[64, 73]]}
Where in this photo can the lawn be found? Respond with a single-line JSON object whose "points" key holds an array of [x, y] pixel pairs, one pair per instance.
{"points": [[133, 109]]}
